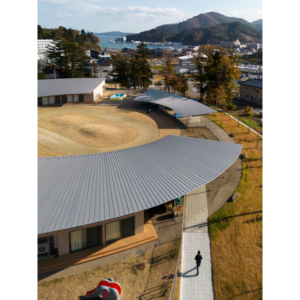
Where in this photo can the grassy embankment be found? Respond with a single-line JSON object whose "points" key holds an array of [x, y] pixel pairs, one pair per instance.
{"points": [[136, 283], [236, 237], [157, 68], [253, 121]]}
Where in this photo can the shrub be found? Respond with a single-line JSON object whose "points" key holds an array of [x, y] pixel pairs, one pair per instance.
{"points": [[258, 130], [231, 107], [248, 111]]}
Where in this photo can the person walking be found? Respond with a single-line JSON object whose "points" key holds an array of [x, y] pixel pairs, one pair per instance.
{"points": [[198, 259]]}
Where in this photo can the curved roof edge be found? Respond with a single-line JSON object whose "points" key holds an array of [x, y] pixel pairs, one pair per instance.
{"points": [[78, 190], [184, 106]]}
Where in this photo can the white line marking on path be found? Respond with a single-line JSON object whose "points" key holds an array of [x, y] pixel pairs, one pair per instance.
{"points": [[43, 137]]}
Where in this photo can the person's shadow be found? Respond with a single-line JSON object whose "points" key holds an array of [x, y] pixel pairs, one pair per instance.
{"points": [[185, 274]]}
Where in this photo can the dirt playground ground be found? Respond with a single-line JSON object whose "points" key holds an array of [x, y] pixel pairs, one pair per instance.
{"points": [[84, 129]]}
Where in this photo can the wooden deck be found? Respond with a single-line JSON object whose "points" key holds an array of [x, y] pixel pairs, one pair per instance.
{"points": [[68, 260]]}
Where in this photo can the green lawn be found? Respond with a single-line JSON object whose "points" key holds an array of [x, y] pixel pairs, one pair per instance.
{"points": [[157, 68], [250, 121]]}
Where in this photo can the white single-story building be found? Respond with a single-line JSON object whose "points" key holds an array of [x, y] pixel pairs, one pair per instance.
{"points": [[69, 90]]}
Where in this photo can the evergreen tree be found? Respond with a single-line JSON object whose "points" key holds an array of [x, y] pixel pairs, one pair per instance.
{"points": [[216, 70], [122, 69], [70, 58]]}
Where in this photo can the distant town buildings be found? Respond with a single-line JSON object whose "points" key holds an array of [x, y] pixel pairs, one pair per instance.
{"points": [[233, 44], [238, 46], [120, 39], [42, 48], [92, 53]]}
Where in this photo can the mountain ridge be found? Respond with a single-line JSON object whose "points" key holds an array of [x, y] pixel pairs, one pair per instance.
{"points": [[208, 35], [209, 19]]}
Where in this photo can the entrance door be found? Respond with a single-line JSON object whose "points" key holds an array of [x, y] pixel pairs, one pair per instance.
{"points": [[40, 101], [64, 98], [80, 98], [57, 99]]}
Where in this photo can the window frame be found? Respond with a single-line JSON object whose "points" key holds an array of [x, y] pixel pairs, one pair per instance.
{"points": [[100, 238], [120, 229]]}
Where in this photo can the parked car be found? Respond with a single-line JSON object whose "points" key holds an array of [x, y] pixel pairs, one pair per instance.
{"points": [[242, 76], [160, 82], [191, 79]]}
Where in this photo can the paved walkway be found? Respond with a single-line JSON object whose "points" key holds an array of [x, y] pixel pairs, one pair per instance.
{"points": [[196, 237]]}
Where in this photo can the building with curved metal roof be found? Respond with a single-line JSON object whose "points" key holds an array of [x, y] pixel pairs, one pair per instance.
{"points": [[99, 200], [184, 106]]}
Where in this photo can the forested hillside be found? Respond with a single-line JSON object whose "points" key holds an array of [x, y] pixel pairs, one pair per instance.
{"points": [[258, 24], [201, 21], [87, 40], [203, 36]]}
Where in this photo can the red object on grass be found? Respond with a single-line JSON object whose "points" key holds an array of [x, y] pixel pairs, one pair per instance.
{"points": [[224, 108], [107, 284]]}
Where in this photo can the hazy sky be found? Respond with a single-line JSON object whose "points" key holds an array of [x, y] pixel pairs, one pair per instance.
{"points": [[136, 16]]}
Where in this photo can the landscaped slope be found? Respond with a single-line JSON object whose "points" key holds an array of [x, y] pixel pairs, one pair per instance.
{"points": [[236, 236]]}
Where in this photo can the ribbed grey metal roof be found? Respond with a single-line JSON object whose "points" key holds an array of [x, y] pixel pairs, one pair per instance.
{"points": [[254, 83], [67, 86], [184, 106], [84, 189]]}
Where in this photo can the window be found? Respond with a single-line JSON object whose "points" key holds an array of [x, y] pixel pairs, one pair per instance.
{"points": [[46, 247], [64, 98], [119, 229], [127, 227], [112, 231], [85, 238]]}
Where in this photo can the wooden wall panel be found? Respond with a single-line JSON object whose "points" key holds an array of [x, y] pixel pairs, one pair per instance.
{"points": [[63, 242], [139, 222]]}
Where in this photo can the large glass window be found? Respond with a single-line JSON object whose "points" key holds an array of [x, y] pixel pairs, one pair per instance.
{"points": [[119, 229], [113, 231], [85, 238], [127, 227]]}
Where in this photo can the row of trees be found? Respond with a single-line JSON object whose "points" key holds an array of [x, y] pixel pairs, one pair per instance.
{"points": [[177, 82], [87, 40], [216, 71], [71, 59], [133, 70]]}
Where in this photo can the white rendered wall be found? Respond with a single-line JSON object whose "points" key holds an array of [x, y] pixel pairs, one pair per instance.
{"points": [[98, 91]]}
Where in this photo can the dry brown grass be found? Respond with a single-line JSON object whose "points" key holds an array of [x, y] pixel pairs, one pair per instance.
{"points": [[158, 78], [89, 130], [134, 114], [177, 285], [199, 132], [236, 246], [135, 284], [46, 152], [85, 129]]}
